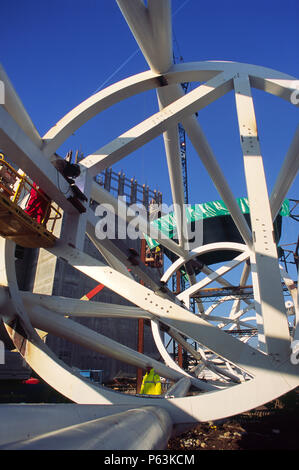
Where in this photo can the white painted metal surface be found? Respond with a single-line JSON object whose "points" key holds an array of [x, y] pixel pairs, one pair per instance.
{"points": [[147, 428], [251, 375]]}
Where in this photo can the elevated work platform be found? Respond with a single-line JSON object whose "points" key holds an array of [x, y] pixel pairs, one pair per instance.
{"points": [[16, 225], [31, 227]]}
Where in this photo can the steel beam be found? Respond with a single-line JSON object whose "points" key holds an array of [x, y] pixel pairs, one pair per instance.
{"points": [[158, 123], [264, 263], [22, 151], [119, 251], [169, 313], [173, 156], [182, 410], [185, 296], [121, 431], [147, 42], [151, 26], [64, 327], [29, 344], [80, 308], [272, 374], [180, 389], [166, 357], [194, 71], [14, 106], [243, 280], [20, 422], [286, 176], [207, 157], [200, 356]]}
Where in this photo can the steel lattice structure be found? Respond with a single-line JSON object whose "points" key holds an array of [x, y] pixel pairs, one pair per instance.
{"points": [[251, 376]]}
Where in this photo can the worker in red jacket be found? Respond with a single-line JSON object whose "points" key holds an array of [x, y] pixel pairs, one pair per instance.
{"points": [[38, 206]]}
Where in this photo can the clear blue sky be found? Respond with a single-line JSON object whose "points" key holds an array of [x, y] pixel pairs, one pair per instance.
{"points": [[59, 52]]}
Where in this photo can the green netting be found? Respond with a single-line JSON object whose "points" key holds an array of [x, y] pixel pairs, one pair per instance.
{"points": [[206, 210]]}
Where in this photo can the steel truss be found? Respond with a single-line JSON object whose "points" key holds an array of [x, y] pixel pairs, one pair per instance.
{"points": [[250, 375]]}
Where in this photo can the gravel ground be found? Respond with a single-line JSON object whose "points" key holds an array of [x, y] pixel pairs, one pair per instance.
{"points": [[274, 427]]}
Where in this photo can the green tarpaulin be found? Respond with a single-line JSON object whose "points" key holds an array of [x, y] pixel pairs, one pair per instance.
{"points": [[206, 210]]}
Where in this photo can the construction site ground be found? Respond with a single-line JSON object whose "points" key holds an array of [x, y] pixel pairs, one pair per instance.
{"points": [[274, 426], [271, 427]]}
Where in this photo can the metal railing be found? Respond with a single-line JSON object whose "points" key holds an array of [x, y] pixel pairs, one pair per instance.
{"points": [[120, 185]]}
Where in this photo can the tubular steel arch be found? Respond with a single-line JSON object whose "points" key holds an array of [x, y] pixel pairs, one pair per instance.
{"points": [[251, 375]]}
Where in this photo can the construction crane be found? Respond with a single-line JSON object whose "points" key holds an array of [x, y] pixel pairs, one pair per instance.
{"points": [[182, 136], [178, 281]]}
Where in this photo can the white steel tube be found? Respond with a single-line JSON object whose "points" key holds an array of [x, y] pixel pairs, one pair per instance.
{"points": [[166, 311], [180, 389], [161, 25], [207, 157], [173, 155], [135, 15], [286, 176], [152, 30], [185, 295], [243, 280], [146, 428], [271, 319], [45, 320], [160, 60], [15, 108], [24, 153], [82, 308], [165, 355]]}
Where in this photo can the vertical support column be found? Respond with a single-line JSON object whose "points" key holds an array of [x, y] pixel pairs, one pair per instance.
{"points": [[74, 225], [286, 176], [180, 356], [173, 157], [140, 339], [121, 184], [133, 193], [243, 280], [107, 183], [178, 290], [271, 315], [46, 267], [145, 200]]}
